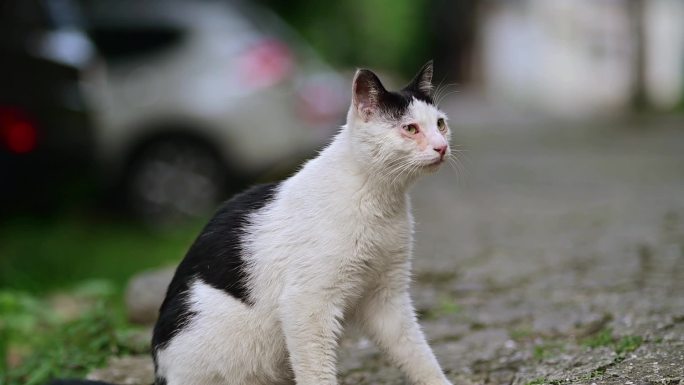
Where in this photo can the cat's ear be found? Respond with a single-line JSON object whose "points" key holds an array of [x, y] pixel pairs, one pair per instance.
{"points": [[366, 93], [423, 80]]}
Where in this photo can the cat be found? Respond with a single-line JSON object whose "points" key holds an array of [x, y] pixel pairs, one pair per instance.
{"points": [[265, 291]]}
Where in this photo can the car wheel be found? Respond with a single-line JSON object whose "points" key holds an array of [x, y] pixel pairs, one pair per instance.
{"points": [[175, 179]]}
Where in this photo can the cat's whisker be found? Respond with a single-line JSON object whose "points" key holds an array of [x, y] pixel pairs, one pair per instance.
{"points": [[436, 89], [440, 83], [385, 169], [399, 172], [441, 89], [462, 157], [457, 170], [462, 170], [406, 169], [442, 97], [456, 156], [442, 86], [415, 169], [443, 92]]}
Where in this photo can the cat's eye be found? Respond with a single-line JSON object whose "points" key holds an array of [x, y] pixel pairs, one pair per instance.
{"points": [[411, 128], [441, 125]]}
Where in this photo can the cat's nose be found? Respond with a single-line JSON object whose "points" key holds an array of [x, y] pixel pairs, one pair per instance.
{"points": [[441, 150]]}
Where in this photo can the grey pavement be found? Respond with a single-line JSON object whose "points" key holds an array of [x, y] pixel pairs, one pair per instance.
{"points": [[553, 254]]}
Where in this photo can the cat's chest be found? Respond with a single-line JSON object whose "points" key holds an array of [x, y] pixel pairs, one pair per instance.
{"points": [[378, 239]]}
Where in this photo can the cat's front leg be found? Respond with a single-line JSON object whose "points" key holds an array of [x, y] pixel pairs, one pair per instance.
{"points": [[388, 317], [311, 324]]}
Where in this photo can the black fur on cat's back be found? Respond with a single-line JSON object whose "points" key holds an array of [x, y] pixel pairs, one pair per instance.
{"points": [[215, 257]]}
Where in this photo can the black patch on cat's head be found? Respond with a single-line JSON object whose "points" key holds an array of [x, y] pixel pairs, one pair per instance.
{"points": [[370, 97]]}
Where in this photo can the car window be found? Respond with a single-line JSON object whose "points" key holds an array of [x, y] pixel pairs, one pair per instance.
{"points": [[128, 42], [63, 13], [24, 14], [39, 14]]}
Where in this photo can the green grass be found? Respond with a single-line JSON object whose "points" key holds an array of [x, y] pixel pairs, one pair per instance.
{"points": [[521, 333], [537, 381], [547, 350], [544, 381], [39, 256], [597, 373], [603, 338], [627, 344], [88, 260], [621, 346], [445, 307], [37, 343]]}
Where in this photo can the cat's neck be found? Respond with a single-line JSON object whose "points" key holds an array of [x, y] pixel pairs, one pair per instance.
{"points": [[367, 182]]}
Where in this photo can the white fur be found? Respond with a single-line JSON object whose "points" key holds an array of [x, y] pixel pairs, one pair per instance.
{"points": [[332, 248]]}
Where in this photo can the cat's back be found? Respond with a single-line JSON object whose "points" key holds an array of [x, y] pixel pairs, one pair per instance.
{"points": [[216, 258]]}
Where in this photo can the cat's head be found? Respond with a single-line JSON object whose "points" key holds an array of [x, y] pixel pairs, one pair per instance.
{"points": [[400, 132]]}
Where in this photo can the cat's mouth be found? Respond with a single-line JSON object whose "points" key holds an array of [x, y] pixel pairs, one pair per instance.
{"points": [[435, 163]]}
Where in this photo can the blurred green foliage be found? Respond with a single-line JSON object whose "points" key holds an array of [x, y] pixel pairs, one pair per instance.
{"points": [[87, 262], [38, 343], [42, 255], [385, 34]]}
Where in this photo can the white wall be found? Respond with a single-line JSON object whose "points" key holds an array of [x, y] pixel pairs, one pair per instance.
{"points": [[576, 56], [665, 51]]}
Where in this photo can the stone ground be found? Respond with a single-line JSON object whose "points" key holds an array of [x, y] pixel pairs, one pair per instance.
{"points": [[557, 258]]}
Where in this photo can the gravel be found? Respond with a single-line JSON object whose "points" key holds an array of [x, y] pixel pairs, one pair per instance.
{"points": [[558, 258]]}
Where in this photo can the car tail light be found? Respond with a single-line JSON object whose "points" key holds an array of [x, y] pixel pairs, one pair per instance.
{"points": [[321, 101], [265, 64], [17, 132]]}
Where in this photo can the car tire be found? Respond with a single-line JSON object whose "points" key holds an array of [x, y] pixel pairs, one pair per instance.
{"points": [[170, 180]]}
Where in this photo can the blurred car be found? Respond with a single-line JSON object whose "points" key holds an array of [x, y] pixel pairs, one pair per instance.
{"points": [[45, 126], [198, 94]]}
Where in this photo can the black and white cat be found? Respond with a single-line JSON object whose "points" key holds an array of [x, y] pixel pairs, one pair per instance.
{"points": [[265, 291]]}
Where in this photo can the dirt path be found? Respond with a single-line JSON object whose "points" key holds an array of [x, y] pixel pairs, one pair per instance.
{"points": [[557, 259]]}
